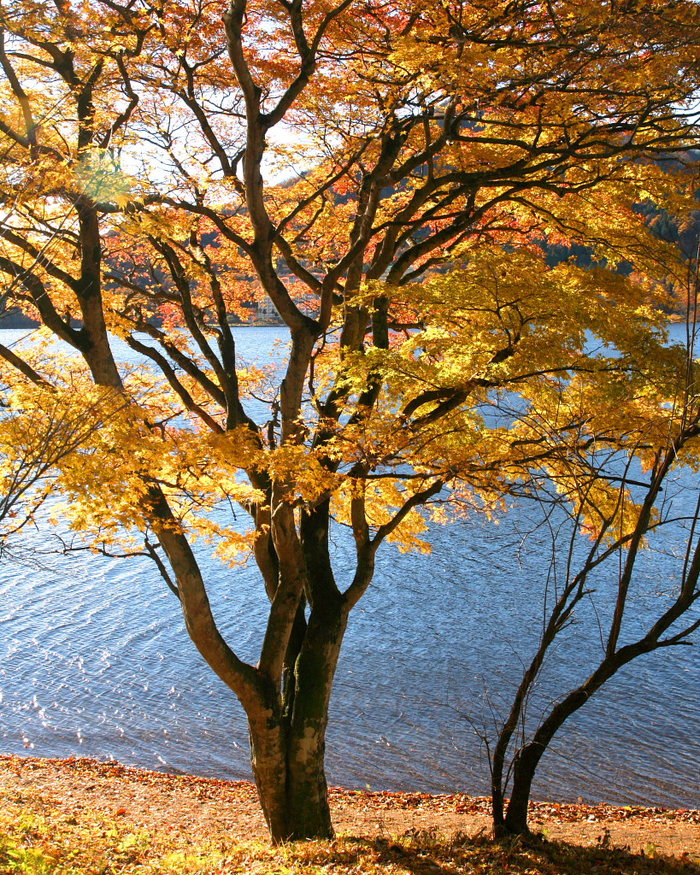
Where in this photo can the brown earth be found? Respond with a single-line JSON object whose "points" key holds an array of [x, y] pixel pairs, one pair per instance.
{"points": [[206, 809]]}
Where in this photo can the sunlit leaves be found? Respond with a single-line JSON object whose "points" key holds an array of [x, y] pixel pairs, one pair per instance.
{"points": [[46, 429], [399, 180]]}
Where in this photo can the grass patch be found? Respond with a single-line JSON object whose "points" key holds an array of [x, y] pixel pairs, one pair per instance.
{"points": [[38, 838]]}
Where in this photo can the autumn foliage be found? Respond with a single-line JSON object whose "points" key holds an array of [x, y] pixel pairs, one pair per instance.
{"points": [[390, 176]]}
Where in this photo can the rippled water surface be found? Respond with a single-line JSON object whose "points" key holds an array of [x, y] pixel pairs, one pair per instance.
{"points": [[95, 661]]}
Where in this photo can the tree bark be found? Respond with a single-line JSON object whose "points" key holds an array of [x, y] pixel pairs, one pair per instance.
{"points": [[314, 674], [515, 821], [269, 762], [288, 747], [529, 756], [291, 782]]}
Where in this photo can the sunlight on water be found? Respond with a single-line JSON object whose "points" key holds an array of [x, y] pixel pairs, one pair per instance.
{"points": [[95, 661]]}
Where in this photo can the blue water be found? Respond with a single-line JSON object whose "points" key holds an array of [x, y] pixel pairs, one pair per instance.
{"points": [[95, 661]]}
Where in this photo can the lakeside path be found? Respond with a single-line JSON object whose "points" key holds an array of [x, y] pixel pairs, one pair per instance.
{"points": [[205, 811]]}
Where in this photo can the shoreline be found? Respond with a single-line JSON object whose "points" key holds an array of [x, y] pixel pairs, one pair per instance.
{"points": [[408, 799], [220, 809]]}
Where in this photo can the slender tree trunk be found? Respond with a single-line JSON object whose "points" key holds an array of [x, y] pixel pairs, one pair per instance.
{"points": [[515, 821], [497, 806], [529, 756]]}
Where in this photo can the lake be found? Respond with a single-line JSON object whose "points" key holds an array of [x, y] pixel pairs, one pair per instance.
{"points": [[95, 661]]}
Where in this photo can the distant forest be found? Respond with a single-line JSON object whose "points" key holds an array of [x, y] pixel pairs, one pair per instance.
{"points": [[686, 237]]}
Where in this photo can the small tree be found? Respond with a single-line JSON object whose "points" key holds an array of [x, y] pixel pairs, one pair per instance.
{"points": [[613, 488]]}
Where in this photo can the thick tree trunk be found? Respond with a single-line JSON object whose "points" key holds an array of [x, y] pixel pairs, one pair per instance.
{"points": [[291, 783], [269, 761], [288, 745], [307, 790]]}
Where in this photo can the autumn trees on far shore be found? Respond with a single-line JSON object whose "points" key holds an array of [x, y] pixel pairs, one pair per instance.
{"points": [[386, 173]]}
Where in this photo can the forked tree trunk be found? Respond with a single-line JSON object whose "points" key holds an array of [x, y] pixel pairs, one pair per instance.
{"points": [[515, 821], [286, 702], [294, 799], [288, 749], [511, 818]]}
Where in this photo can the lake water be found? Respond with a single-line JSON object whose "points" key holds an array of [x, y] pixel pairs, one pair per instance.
{"points": [[95, 661]]}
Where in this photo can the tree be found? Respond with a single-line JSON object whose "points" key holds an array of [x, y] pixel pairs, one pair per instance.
{"points": [[614, 489], [339, 164]]}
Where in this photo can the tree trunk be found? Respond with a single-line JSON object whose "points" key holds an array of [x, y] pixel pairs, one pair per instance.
{"points": [[291, 783], [307, 790], [288, 743], [497, 808], [529, 756], [269, 762], [515, 821]]}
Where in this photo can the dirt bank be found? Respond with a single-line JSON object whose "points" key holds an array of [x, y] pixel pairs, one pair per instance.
{"points": [[209, 809]]}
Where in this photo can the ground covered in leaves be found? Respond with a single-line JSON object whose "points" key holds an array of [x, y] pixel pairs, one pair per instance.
{"points": [[78, 816]]}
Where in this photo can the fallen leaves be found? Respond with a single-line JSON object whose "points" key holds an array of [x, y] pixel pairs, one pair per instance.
{"points": [[539, 811], [82, 817]]}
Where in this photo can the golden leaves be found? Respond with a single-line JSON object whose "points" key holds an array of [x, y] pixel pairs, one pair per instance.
{"points": [[101, 179], [443, 143]]}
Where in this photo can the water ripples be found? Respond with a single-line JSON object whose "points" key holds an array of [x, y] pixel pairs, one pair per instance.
{"points": [[95, 660]]}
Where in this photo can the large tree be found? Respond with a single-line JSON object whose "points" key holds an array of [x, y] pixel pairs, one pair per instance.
{"points": [[339, 159]]}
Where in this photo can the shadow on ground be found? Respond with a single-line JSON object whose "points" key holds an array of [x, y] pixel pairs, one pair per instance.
{"points": [[425, 853]]}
